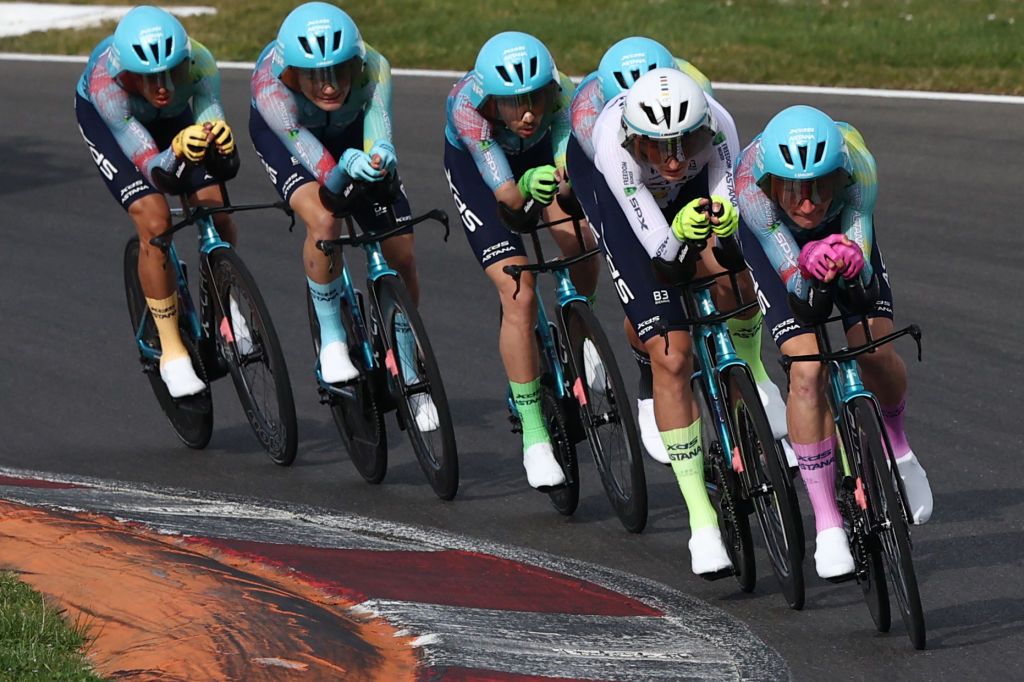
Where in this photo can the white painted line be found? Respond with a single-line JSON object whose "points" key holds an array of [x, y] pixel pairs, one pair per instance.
{"points": [[19, 18], [737, 87]]}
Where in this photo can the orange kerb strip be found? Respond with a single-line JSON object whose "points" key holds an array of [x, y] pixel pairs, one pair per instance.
{"points": [[158, 606]]}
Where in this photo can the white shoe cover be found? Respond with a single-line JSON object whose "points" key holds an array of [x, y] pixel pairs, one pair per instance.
{"points": [[424, 412], [649, 433], [180, 377], [542, 468], [594, 368], [335, 365], [832, 556], [774, 407], [240, 329], [707, 551], [919, 492]]}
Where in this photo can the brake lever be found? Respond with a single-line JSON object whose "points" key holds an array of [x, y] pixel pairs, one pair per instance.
{"points": [[516, 273], [915, 333], [328, 250]]}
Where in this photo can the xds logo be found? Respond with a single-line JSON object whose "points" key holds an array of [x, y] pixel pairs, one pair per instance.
{"points": [[107, 168], [469, 219]]}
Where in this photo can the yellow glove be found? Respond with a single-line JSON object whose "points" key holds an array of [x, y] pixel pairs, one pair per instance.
{"points": [[692, 223], [223, 138], [729, 221], [190, 144]]}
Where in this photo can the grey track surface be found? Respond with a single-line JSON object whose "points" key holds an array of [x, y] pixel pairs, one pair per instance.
{"points": [[72, 398]]}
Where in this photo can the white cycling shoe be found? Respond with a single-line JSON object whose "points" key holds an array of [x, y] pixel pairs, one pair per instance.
{"points": [[240, 329], [774, 407], [596, 377], [649, 433], [180, 377], [542, 469], [335, 365], [919, 492], [424, 412], [832, 558], [707, 551]]}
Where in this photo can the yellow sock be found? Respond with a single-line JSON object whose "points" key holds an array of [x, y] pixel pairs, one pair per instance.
{"points": [[165, 315]]}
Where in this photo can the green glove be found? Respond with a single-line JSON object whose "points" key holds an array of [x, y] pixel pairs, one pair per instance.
{"points": [[692, 222], [729, 221], [540, 184]]}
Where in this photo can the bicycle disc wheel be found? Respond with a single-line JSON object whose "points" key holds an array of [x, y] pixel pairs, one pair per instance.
{"points": [[607, 416], [434, 440], [356, 410], [769, 487], [191, 418], [890, 517], [247, 340], [564, 498]]}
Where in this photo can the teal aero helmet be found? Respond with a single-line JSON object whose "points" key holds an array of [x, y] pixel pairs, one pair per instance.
{"points": [[510, 64], [317, 35], [149, 40], [800, 143], [627, 60]]}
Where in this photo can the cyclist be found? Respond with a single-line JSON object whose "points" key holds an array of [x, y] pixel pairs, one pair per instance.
{"points": [[807, 187], [321, 115], [149, 99], [507, 127], [620, 67], [661, 149]]}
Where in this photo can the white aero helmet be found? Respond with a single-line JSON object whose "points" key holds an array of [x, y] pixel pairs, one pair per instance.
{"points": [[667, 107]]}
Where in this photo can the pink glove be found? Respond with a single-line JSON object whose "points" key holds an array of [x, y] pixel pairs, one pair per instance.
{"points": [[848, 252], [817, 260]]}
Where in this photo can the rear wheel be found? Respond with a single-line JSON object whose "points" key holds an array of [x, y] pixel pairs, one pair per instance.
{"points": [[564, 498], [890, 517], [412, 380], [191, 417], [769, 487], [248, 341], [607, 416], [355, 407]]}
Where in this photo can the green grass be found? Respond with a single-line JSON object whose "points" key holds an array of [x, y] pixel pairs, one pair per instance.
{"points": [[950, 45], [35, 642]]}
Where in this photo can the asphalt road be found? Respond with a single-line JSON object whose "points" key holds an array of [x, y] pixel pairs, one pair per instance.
{"points": [[72, 398]]}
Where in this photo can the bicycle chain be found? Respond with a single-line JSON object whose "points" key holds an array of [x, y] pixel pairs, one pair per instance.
{"points": [[726, 502]]}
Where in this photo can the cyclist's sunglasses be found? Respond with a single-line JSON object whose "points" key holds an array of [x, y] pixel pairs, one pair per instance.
{"points": [[681, 148], [153, 85], [819, 191], [512, 108], [339, 77]]}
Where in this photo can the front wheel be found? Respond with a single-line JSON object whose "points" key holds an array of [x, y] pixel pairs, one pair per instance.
{"points": [[607, 416], [191, 418], [415, 381], [889, 516], [248, 341], [767, 484]]}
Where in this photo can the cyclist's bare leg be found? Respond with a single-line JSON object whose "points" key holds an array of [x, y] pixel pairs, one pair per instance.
{"points": [[320, 224], [883, 371], [584, 275], [517, 343], [674, 407], [211, 196], [812, 433], [322, 273], [152, 217], [399, 253]]}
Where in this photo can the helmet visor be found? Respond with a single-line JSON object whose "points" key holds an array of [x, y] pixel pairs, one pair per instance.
{"points": [[339, 77], [819, 191], [513, 108], [156, 86], [682, 148]]}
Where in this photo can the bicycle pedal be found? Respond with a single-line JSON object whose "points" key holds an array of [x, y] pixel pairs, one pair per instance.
{"points": [[718, 575]]}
